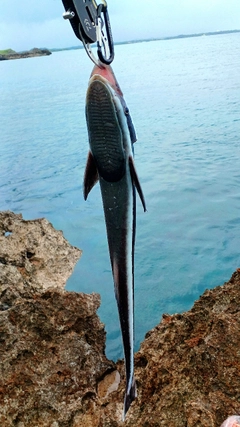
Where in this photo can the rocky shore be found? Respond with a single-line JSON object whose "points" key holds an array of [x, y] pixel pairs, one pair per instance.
{"points": [[54, 372], [27, 54]]}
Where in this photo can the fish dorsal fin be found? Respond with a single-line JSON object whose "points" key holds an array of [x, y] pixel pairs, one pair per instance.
{"points": [[136, 182], [90, 175]]}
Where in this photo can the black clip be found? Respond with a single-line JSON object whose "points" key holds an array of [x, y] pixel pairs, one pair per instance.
{"points": [[104, 42], [88, 26]]}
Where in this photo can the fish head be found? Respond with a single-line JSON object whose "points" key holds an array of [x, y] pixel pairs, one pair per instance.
{"points": [[107, 76], [107, 73], [110, 130]]}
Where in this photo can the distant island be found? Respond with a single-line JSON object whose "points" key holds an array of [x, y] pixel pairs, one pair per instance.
{"points": [[11, 54]]}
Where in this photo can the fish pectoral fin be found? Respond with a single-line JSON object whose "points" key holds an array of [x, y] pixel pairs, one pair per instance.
{"points": [[136, 182], [90, 175]]}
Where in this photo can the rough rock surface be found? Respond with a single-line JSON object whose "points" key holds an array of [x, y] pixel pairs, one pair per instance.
{"points": [[189, 365], [54, 372], [35, 250], [51, 341]]}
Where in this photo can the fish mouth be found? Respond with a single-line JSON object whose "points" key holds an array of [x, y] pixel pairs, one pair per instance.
{"points": [[104, 129], [108, 75]]}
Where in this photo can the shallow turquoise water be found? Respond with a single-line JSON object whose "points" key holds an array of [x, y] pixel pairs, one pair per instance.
{"points": [[184, 99]]}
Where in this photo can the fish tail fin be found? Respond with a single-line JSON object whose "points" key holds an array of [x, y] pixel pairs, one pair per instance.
{"points": [[130, 396]]}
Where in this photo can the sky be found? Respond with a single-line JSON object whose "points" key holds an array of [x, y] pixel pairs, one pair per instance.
{"points": [[27, 24]]}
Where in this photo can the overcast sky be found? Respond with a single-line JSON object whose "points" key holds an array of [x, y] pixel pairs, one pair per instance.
{"points": [[27, 24]]}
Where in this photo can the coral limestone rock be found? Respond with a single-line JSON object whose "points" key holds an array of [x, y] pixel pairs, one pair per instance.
{"points": [[189, 365], [39, 252], [52, 341]]}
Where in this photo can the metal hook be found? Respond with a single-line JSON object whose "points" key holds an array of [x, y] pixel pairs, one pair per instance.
{"points": [[88, 26], [102, 40], [88, 49]]}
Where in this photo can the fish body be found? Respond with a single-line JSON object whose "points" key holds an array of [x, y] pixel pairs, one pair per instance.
{"points": [[110, 160]]}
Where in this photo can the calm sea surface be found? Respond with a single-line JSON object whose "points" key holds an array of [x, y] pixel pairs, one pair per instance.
{"points": [[184, 97]]}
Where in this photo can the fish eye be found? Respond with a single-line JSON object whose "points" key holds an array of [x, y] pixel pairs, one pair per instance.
{"points": [[126, 111]]}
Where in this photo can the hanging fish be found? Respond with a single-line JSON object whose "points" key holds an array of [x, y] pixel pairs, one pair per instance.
{"points": [[110, 160]]}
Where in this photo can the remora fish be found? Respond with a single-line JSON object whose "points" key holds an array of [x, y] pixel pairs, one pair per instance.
{"points": [[110, 160]]}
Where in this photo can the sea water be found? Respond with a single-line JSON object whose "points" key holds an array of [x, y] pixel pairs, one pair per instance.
{"points": [[184, 97]]}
